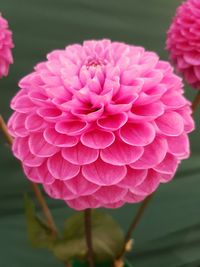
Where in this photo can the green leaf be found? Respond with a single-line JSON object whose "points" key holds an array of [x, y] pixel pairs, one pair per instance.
{"points": [[106, 233], [39, 234]]}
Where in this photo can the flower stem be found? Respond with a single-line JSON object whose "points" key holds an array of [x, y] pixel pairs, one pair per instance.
{"points": [[140, 212], [45, 209], [196, 102], [134, 223], [88, 235], [34, 186]]}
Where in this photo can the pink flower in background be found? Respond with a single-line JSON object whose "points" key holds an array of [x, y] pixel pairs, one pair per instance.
{"points": [[183, 41], [101, 124], [6, 44]]}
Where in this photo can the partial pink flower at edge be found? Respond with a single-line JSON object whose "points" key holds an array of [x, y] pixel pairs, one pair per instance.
{"points": [[183, 41], [101, 124], [6, 45]]}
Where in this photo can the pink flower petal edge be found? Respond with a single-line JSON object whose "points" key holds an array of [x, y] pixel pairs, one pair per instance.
{"points": [[6, 45], [183, 41]]}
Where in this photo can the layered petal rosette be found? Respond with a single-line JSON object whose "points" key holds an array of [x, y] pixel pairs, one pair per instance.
{"points": [[101, 124], [6, 45], [183, 41]]}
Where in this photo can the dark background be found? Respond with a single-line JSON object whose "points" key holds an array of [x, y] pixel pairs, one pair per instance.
{"points": [[169, 234]]}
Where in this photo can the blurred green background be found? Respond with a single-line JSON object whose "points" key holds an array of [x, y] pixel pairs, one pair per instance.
{"points": [[169, 234]]}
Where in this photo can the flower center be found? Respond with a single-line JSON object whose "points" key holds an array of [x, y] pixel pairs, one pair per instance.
{"points": [[94, 62]]}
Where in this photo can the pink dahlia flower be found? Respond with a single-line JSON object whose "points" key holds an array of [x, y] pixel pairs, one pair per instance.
{"points": [[101, 124], [6, 44], [183, 41]]}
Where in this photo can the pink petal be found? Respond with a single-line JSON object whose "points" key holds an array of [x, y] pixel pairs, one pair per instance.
{"points": [[32, 174], [71, 127], [149, 185], [16, 125], [97, 139], [192, 58], [44, 174], [174, 100], [133, 198], [166, 177], [58, 190], [138, 134], [83, 203], [50, 113], [133, 178], [112, 122], [170, 123], [37, 97], [79, 186], [120, 153], [115, 205], [61, 168], [23, 104], [179, 145], [151, 79], [85, 115], [80, 154], [168, 165], [185, 113], [39, 147], [153, 154], [102, 173], [152, 110], [34, 122], [21, 151], [110, 194], [57, 139]]}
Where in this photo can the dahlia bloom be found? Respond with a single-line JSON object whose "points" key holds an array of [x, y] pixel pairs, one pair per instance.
{"points": [[6, 44], [101, 124], [183, 41]]}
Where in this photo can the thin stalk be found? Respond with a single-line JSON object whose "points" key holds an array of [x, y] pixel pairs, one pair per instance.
{"points": [[143, 206], [45, 209], [88, 236], [196, 102], [134, 223], [34, 186]]}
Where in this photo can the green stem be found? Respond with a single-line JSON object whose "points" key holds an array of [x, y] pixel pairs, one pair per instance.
{"points": [[88, 236]]}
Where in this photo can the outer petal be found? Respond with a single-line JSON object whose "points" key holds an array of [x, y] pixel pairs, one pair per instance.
{"points": [[153, 154], [80, 154], [102, 173], [120, 153], [97, 139], [179, 145], [79, 186], [61, 168], [113, 122], [110, 194], [133, 178], [83, 203], [171, 123], [168, 165], [149, 185], [39, 147], [71, 127], [58, 139], [21, 151], [58, 190], [138, 134]]}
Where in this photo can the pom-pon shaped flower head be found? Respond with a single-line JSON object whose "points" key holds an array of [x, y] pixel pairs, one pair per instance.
{"points": [[183, 41], [6, 45], [101, 124]]}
